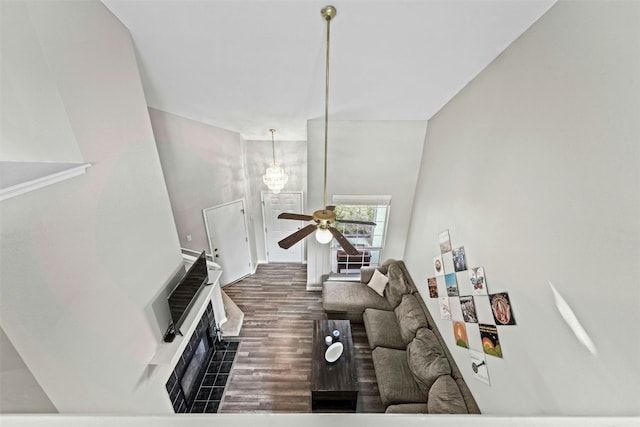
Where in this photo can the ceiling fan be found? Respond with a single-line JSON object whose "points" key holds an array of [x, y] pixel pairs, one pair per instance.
{"points": [[323, 218]]}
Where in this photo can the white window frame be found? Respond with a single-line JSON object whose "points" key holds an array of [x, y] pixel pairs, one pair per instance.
{"points": [[361, 200]]}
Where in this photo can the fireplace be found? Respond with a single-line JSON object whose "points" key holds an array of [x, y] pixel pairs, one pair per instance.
{"points": [[196, 368], [188, 373]]}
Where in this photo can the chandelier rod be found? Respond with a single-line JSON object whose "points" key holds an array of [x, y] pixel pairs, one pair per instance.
{"points": [[273, 145]]}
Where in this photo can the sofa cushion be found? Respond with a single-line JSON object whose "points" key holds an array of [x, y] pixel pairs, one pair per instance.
{"points": [[408, 408], [395, 380], [350, 297], [425, 310], [397, 286], [445, 397], [410, 317], [426, 359], [382, 329], [378, 282], [469, 401]]}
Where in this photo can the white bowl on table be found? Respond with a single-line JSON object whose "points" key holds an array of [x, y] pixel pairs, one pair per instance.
{"points": [[334, 351]]}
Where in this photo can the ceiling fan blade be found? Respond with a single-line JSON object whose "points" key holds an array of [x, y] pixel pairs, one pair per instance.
{"points": [[299, 217], [294, 238], [352, 221], [346, 245], [330, 208]]}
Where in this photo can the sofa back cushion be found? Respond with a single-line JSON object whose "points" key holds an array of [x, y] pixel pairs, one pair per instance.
{"points": [[410, 317], [445, 397], [426, 359], [397, 286]]}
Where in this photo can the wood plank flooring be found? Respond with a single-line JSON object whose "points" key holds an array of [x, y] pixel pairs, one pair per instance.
{"points": [[272, 371]]}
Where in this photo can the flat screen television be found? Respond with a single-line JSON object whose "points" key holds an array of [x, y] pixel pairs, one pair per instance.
{"points": [[186, 291]]}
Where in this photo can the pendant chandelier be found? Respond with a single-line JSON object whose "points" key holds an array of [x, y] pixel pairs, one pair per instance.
{"points": [[275, 177]]}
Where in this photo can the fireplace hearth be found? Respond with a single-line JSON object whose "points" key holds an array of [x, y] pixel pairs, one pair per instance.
{"points": [[198, 380], [188, 373]]}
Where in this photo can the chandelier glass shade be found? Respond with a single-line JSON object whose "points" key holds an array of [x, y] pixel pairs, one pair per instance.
{"points": [[275, 178]]}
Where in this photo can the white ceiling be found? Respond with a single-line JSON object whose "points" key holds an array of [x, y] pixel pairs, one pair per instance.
{"points": [[248, 66]]}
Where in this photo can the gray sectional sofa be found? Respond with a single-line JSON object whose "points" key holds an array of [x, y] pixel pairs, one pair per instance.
{"points": [[414, 368]]}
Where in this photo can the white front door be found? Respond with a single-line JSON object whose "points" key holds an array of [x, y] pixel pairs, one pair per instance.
{"points": [[277, 229], [228, 240]]}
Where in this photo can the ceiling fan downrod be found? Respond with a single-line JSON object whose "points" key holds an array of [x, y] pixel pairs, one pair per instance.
{"points": [[328, 13], [323, 218]]}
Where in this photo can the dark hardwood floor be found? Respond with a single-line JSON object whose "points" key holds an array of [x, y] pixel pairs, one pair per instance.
{"points": [[272, 371]]}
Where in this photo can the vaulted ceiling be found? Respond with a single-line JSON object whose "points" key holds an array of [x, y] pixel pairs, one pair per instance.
{"points": [[248, 66]]}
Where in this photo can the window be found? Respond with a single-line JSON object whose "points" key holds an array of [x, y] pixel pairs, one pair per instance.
{"points": [[368, 240]]}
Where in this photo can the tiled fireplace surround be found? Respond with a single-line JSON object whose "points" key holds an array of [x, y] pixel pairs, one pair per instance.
{"points": [[212, 362]]}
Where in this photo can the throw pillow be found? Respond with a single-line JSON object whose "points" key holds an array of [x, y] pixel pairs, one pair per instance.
{"points": [[378, 282], [426, 359], [445, 397], [410, 317]]}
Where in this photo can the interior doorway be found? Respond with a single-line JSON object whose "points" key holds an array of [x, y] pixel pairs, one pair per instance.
{"points": [[276, 229], [226, 226]]}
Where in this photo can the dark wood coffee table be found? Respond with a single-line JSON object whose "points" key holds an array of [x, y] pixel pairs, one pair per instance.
{"points": [[334, 386]]}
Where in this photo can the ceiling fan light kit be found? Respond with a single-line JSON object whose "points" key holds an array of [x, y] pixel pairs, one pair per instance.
{"points": [[323, 218], [275, 178], [323, 235]]}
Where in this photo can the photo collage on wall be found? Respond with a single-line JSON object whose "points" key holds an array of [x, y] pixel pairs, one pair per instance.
{"points": [[467, 305]]}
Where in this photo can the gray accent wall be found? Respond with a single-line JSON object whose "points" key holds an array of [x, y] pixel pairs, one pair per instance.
{"points": [[206, 166], [533, 168], [203, 167]]}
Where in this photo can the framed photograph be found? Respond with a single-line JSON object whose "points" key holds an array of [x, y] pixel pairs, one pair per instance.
{"points": [[432, 283], [445, 242], [460, 334], [490, 341], [459, 259], [452, 285], [501, 309], [468, 309], [445, 310], [478, 281], [438, 265]]}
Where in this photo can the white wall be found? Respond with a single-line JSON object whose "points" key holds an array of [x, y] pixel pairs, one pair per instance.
{"points": [[292, 156], [533, 168], [34, 124], [365, 158], [82, 261]]}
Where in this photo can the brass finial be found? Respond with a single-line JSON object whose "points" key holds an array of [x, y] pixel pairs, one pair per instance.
{"points": [[328, 12]]}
